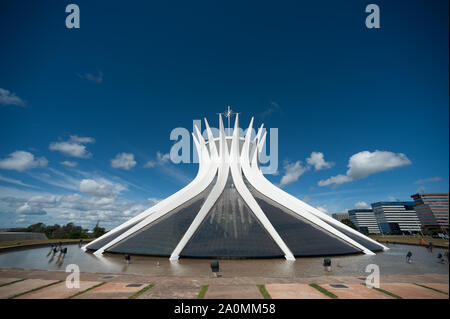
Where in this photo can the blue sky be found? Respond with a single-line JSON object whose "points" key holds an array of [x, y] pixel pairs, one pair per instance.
{"points": [[136, 70]]}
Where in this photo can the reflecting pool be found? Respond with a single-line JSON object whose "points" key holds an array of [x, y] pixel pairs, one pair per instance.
{"points": [[392, 261]]}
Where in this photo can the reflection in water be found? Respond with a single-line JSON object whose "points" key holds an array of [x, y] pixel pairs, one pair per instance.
{"points": [[390, 262]]}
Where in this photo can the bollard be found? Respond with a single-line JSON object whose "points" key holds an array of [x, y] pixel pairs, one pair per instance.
{"points": [[327, 264]]}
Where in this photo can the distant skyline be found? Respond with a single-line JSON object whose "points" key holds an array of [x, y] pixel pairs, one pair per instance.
{"points": [[86, 114]]}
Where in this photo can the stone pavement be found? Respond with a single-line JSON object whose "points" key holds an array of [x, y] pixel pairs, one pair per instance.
{"points": [[294, 291], [114, 286], [58, 291], [355, 291], [217, 291], [112, 290], [412, 291], [14, 289]]}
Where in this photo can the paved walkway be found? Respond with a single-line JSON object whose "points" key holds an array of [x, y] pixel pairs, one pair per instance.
{"points": [[39, 284]]}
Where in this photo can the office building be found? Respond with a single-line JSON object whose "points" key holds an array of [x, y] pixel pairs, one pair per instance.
{"points": [[432, 209], [364, 220], [396, 217]]}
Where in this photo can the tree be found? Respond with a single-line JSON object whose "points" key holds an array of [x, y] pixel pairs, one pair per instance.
{"points": [[98, 231], [349, 223], [36, 228]]}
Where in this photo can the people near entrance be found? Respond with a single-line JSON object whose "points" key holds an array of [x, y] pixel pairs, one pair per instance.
{"points": [[127, 258]]}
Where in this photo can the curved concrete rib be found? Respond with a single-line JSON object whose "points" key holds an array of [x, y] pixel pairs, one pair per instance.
{"points": [[202, 170], [248, 197], [212, 197], [257, 179], [200, 183], [268, 189], [326, 217]]}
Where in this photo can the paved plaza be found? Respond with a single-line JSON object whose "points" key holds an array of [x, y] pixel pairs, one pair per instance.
{"points": [[40, 284]]}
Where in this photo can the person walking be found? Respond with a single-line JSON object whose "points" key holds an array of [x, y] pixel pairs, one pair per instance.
{"points": [[409, 257]]}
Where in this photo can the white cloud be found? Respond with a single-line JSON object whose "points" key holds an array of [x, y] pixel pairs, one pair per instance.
{"points": [[421, 189], [26, 209], [160, 160], [317, 160], [361, 205], [338, 179], [100, 187], [21, 161], [123, 160], [61, 209], [74, 147], [274, 107], [154, 200], [95, 78], [15, 181], [9, 98], [81, 140], [365, 163], [292, 172], [428, 180], [69, 163]]}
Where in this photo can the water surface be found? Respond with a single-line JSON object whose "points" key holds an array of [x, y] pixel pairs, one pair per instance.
{"points": [[392, 261]]}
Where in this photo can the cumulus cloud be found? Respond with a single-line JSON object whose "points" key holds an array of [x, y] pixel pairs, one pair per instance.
{"points": [[317, 160], [94, 78], [100, 187], [292, 172], [428, 180], [74, 147], [123, 160], [365, 163], [69, 163], [26, 209], [21, 161], [9, 98], [160, 160], [361, 205], [81, 209]]}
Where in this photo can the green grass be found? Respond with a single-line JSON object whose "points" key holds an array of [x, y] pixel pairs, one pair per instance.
{"points": [[410, 239], [12, 282], [264, 292], [324, 291], [437, 290], [140, 292], [385, 291], [202, 292], [86, 290], [35, 289]]}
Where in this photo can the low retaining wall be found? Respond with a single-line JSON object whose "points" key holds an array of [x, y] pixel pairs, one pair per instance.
{"points": [[9, 236]]}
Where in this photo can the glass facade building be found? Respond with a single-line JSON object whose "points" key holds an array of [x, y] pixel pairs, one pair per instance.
{"points": [[432, 209], [365, 220], [396, 217]]}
